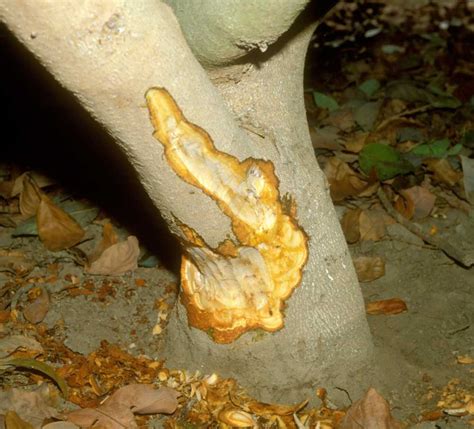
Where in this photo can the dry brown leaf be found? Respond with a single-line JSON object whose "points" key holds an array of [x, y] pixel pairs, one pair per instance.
{"points": [[60, 425], [343, 119], [117, 412], [350, 225], [432, 415], [465, 360], [13, 421], [325, 138], [357, 142], [145, 399], [30, 197], [6, 188], [406, 207], [5, 316], [31, 406], [9, 345], [443, 171], [370, 412], [386, 306], [372, 225], [420, 201], [109, 238], [39, 179], [57, 230], [343, 180], [36, 310], [263, 409], [369, 268], [117, 259], [236, 418]]}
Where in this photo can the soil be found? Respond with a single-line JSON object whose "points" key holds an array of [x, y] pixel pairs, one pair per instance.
{"points": [[416, 350]]}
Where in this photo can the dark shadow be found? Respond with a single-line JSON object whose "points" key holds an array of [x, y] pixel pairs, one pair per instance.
{"points": [[45, 128]]}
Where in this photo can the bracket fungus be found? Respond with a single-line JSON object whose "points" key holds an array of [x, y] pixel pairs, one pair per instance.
{"points": [[242, 284]]}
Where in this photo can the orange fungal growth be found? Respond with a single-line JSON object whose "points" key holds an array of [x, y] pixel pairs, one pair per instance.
{"points": [[238, 286]]}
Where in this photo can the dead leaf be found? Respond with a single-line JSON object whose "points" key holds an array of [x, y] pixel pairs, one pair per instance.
{"points": [[432, 416], [31, 406], [60, 425], [236, 418], [109, 238], [465, 360], [350, 225], [117, 412], [406, 207], [419, 202], [263, 409], [39, 179], [5, 316], [386, 306], [57, 230], [357, 142], [148, 400], [105, 417], [30, 197], [370, 412], [325, 138], [343, 180], [117, 259], [12, 343], [372, 225], [342, 119], [37, 309], [6, 188], [13, 421], [369, 268], [443, 172]]}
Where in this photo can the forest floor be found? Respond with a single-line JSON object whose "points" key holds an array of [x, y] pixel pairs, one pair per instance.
{"points": [[390, 100]]}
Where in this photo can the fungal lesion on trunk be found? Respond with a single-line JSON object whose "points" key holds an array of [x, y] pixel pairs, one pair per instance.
{"points": [[242, 284]]}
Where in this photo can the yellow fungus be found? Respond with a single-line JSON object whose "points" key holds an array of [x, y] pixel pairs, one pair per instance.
{"points": [[237, 286]]}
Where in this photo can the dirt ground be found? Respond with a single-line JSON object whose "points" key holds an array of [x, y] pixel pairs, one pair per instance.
{"points": [[416, 350]]}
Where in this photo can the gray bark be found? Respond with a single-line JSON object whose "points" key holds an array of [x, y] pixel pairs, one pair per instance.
{"points": [[108, 53], [233, 27]]}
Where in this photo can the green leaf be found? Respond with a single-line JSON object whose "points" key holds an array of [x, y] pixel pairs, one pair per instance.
{"points": [[467, 139], [455, 150], [370, 87], [447, 103], [434, 149], [325, 101], [37, 366], [384, 160], [149, 261], [392, 49]]}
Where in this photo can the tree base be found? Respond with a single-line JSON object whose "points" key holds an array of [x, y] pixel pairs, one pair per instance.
{"points": [[274, 367]]}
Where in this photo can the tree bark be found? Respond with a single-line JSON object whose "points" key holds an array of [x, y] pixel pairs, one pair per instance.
{"points": [[109, 53], [233, 28]]}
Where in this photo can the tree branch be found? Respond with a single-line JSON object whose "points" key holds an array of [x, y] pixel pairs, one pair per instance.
{"points": [[219, 31]]}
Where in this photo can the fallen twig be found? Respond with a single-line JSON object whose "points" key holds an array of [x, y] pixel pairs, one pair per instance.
{"points": [[400, 115], [464, 258]]}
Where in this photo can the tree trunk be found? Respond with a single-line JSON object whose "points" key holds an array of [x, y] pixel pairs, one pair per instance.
{"points": [[109, 53]]}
